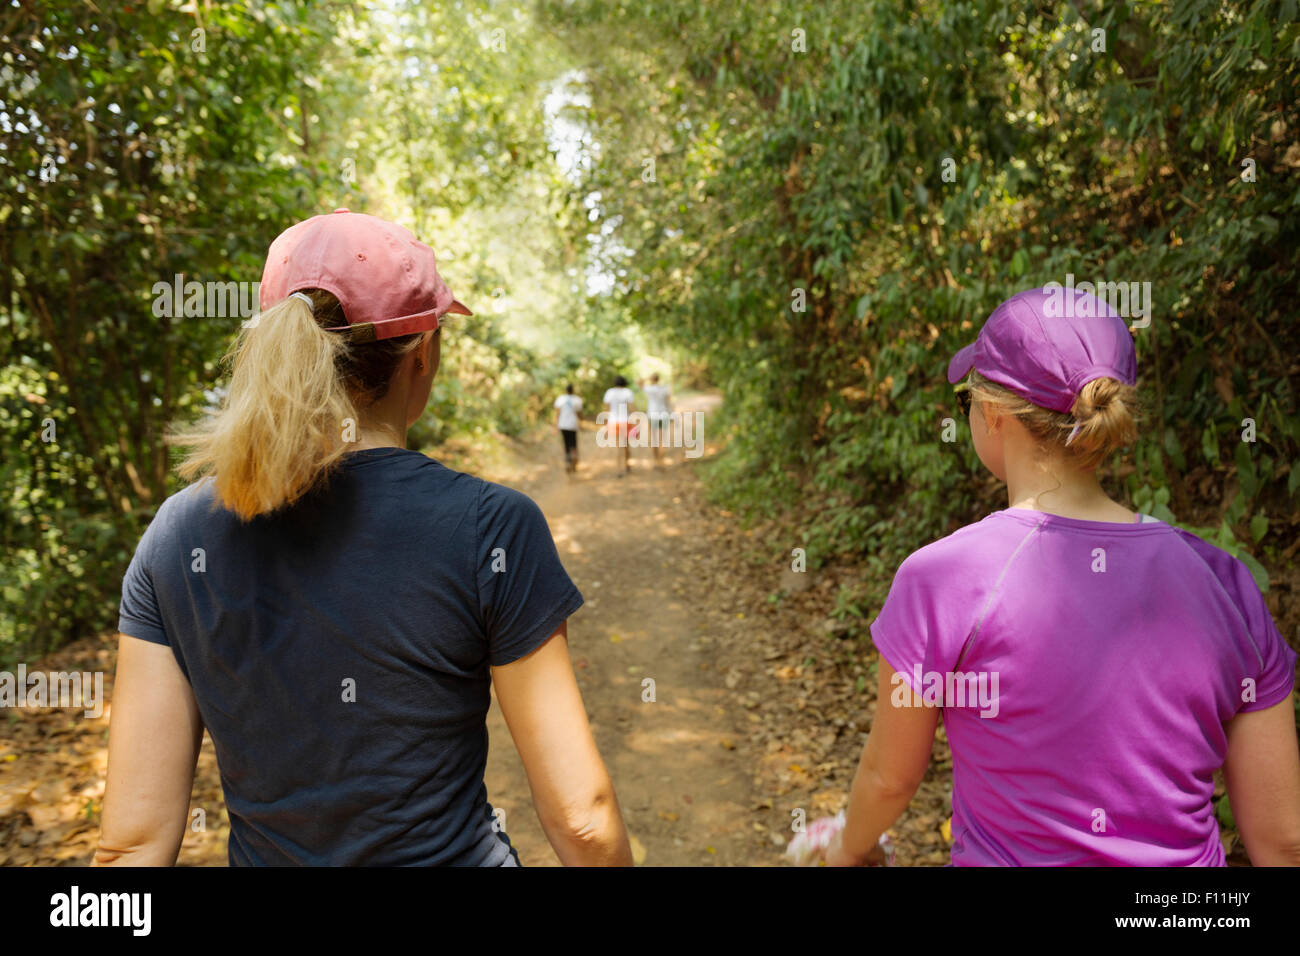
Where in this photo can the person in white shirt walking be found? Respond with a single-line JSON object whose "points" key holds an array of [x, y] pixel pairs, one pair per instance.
{"points": [[567, 407], [659, 408], [620, 401]]}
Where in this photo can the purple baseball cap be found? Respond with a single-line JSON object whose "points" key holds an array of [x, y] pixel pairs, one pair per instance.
{"points": [[1046, 344]]}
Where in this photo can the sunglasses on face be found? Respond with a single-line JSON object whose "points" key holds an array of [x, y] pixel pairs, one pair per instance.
{"points": [[963, 399]]}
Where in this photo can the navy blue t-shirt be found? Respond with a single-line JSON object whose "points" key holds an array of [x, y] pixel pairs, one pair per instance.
{"points": [[339, 653]]}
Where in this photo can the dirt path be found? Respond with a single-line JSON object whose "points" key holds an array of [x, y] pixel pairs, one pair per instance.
{"points": [[631, 544]]}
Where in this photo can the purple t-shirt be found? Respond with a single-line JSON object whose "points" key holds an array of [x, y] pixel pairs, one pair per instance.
{"points": [[1086, 670]]}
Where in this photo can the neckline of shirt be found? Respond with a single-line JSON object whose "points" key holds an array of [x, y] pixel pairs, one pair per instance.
{"points": [[1029, 516], [363, 455]]}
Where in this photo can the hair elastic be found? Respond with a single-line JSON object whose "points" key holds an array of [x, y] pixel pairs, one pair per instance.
{"points": [[302, 295]]}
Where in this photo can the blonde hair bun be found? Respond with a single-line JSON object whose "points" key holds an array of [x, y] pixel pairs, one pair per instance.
{"points": [[1102, 420]]}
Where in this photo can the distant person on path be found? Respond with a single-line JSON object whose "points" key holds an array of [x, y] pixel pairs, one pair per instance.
{"points": [[334, 608], [659, 409], [567, 407], [1095, 666], [620, 402]]}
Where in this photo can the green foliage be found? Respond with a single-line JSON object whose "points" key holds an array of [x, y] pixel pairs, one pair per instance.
{"points": [[128, 155], [1223, 813], [843, 191], [141, 141]]}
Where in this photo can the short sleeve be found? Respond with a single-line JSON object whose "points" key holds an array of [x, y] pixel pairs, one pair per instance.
{"points": [[607, 400], [138, 615], [928, 615], [577, 404], [1271, 661], [524, 591], [1277, 668], [559, 402], [1269, 651]]}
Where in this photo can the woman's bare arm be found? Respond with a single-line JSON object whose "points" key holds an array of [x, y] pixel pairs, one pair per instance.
{"points": [[153, 743], [892, 766], [1263, 777], [571, 789]]}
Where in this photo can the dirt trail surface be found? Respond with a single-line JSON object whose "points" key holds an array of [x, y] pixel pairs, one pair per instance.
{"points": [[760, 708], [632, 544]]}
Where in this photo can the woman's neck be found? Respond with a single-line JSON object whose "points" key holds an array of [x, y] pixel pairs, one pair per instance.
{"points": [[383, 424], [1067, 492], [377, 439]]}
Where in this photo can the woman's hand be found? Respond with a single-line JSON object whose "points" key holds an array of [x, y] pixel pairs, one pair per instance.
{"points": [[836, 855]]}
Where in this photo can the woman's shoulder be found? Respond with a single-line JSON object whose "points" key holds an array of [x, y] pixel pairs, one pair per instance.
{"points": [[194, 499], [1230, 571], [973, 546], [497, 501], [177, 512], [953, 576], [408, 469]]}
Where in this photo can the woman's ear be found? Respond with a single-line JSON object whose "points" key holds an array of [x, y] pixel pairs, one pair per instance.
{"points": [[428, 353], [424, 359], [435, 350], [989, 412]]}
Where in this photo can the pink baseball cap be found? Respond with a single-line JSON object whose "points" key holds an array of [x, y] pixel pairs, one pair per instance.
{"points": [[385, 279], [1046, 344]]}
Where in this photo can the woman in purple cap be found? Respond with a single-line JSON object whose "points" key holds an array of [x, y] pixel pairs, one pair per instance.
{"points": [[1095, 667], [334, 608]]}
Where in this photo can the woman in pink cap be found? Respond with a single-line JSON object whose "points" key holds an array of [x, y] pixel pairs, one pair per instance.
{"points": [[334, 608], [1094, 666]]}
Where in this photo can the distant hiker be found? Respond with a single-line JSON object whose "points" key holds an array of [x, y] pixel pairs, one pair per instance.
{"points": [[567, 407], [1095, 666], [659, 408], [620, 403], [334, 608]]}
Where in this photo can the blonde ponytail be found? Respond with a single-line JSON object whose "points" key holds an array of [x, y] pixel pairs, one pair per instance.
{"points": [[293, 396]]}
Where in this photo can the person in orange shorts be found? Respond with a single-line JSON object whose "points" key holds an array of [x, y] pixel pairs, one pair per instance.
{"points": [[619, 400]]}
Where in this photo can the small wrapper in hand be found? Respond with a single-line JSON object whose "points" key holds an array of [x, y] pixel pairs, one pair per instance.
{"points": [[809, 847]]}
